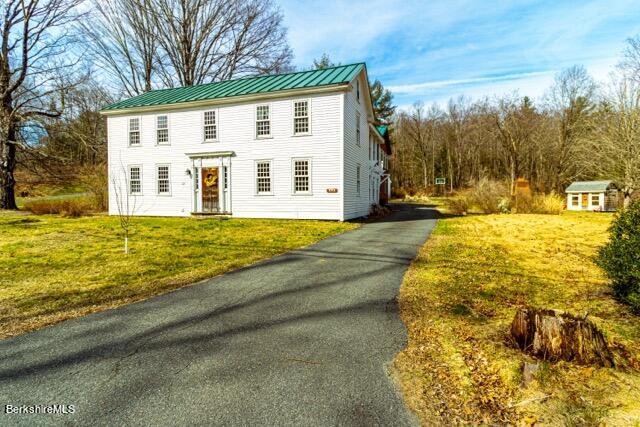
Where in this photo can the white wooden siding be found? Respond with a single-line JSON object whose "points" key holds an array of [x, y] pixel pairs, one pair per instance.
{"points": [[356, 205], [236, 132]]}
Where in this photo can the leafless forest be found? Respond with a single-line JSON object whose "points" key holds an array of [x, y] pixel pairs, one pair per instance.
{"points": [[581, 129], [62, 60]]}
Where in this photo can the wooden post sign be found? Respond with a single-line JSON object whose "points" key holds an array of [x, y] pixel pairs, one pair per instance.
{"points": [[441, 181], [332, 190]]}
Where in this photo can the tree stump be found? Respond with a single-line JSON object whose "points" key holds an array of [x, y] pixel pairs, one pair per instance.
{"points": [[553, 335]]}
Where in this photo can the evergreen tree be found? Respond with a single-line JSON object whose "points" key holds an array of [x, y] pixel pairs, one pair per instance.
{"points": [[382, 102]]}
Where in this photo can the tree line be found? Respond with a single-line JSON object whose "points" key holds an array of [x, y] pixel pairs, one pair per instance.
{"points": [[580, 130]]}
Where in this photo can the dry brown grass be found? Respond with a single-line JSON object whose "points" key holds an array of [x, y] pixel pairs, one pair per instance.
{"points": [[71, 208], [459, 298]]}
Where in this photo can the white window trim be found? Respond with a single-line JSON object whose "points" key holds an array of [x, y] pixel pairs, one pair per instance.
{"points": [[255, 121], [158, 193], [293, 175], [293, 117], [217, 114], [139, 144], [255, 177], [168, 130], [128, 180]]}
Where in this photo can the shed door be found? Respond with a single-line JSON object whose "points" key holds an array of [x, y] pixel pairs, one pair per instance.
{"points": [[210, 190], [585, 200]]}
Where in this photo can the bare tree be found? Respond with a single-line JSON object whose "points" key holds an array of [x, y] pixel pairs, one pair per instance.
{"points": [[168, 43], [630, 63], [613, 149], [126, 202], [123, 40], [569, 103], [35, 70]]}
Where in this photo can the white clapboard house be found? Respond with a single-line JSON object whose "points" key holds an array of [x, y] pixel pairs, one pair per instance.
{"points": [[297, 145]]}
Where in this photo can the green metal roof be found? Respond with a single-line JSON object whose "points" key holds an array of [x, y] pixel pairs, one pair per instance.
{"points": [[245, 86], [588, 186]]}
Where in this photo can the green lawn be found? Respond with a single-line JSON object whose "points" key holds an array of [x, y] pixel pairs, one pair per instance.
{"points": [[459, 298], [54, 268]]}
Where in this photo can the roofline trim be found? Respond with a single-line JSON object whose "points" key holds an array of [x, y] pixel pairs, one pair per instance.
{"points": [[229, 100]]}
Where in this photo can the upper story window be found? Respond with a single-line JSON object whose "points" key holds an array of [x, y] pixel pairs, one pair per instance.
{"points": [[162, 130], [301, 176], [358, 180], [134, 131], [263, 177], [358, 90], [163, 179], [357, 128], [301, 117], [210, 126], [135, 180], [263, 121]]}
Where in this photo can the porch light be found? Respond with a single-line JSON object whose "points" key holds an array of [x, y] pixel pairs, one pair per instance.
{"points": [[188, 172]]}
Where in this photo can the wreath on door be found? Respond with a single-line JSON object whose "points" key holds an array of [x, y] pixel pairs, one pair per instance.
{"points": [[210, 180]]}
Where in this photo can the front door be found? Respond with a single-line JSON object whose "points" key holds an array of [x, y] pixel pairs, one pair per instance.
{"points": [[210, 190], [585, 200]]}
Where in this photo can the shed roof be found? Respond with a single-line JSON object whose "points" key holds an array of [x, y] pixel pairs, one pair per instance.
{"points": [[588, 186], [342, 74]]}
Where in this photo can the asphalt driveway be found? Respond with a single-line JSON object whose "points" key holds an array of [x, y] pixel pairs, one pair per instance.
{"points": [[301, 339]]}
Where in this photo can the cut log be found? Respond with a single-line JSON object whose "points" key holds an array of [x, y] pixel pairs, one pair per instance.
{"points": [[553, 335]]}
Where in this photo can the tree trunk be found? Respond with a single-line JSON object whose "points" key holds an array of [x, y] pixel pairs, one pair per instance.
{"points": [[7, 162], [553, 335]]}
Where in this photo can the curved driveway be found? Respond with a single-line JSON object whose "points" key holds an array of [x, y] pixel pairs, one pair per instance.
{"points": [[304, 338]]}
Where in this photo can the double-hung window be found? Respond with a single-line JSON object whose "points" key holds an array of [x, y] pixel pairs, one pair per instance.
{"points": [[595, 200], [301, 176], [162, 172], [263, 121], [162, 130], [134, 131], [210, 126], [301, 117], [135, 180], [358, 180], [358, 128], [263, 177]]}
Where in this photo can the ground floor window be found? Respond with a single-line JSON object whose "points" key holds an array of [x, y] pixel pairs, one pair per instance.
{"points": [[135, 180], [595, 200], [301, 176], [575, 200], [163, 179], [263, 177], [358, 180]]}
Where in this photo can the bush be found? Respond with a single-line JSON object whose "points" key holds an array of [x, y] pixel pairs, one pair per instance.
{"points": [[72, 208], [458, 205], [488, 196], [620, 257], [549, 204], [96, 181]]}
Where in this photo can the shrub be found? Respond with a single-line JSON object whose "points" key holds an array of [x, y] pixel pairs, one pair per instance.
{"points": [[549, 204], [72, 208], [458, 205], [96, 181], [620, 257], [488, 195]]}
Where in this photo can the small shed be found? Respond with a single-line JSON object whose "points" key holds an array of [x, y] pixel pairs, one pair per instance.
{"points": [[592, 196]]}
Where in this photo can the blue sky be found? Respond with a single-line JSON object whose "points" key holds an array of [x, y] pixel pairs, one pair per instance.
{"points": [[431, 51]]}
